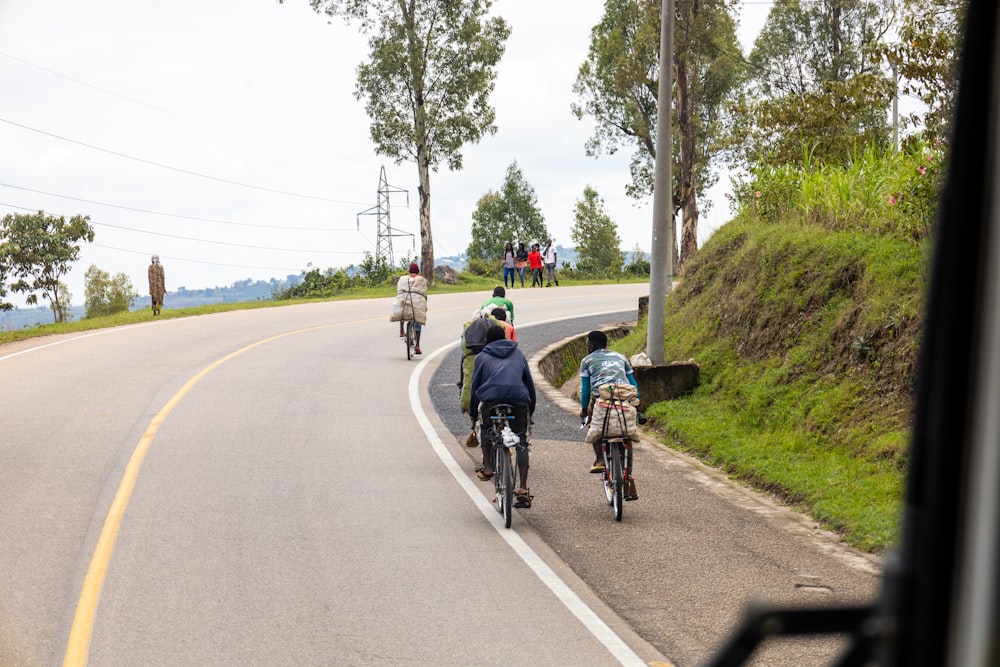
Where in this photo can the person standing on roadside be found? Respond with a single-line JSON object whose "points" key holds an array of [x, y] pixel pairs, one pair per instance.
{"points": [[521, 261], [509, 260], [157, 284], [549, 259], [535, 265]]}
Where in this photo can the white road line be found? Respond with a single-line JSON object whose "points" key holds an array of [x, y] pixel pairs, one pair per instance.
{"points": [[597, 627]]}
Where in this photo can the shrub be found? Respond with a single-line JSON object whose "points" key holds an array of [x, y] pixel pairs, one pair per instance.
{"points": [[481, 267]]}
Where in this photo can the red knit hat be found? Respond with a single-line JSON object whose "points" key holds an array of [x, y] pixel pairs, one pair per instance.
{"points": [[414, 268]]}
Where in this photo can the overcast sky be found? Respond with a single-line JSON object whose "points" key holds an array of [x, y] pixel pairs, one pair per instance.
{"points": [[225, 137]]}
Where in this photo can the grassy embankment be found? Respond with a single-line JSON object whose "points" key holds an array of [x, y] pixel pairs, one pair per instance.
{"points": [[805, 320]]}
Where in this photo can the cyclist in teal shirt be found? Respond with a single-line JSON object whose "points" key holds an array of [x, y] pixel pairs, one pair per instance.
{"points": [[601, 366]]}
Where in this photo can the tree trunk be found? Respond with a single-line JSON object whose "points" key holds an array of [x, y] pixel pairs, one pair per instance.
{"points": [[688, 201], [416, 65], [426, 240]]}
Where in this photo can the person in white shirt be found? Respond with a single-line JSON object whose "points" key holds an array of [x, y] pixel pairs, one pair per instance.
{"points": [[549, 259]]}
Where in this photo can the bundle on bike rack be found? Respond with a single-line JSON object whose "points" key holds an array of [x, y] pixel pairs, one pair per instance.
{"points": [[615, 413], [405, 308]]}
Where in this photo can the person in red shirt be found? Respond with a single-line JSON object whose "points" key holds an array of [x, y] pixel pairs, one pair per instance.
{"points": [[501, 317], [535, 264]]}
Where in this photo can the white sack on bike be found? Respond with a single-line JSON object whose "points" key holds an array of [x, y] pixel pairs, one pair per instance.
{"points": [[615, 413], [411, 300]]}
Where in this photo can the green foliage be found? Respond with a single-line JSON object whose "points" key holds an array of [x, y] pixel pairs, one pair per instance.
{"points": [[318, 284], [882, 193], [375, 271], [595, 235], [807, 341], [817, 83], [639, 266], [481, 267], [926, 59], [510, 215], [831, 123], [39, 250], [805, 45], [107, 295]]}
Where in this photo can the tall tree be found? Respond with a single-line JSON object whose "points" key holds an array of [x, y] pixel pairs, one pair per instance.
{"points": [[105, 294], [40, 250], [817, 92], [509, 215], [926, 59], [595, 234], [427, 84], [617, 87]]}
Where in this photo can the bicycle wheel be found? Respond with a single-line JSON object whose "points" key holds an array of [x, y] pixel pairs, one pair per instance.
{"points": [[609, 489], [409, 340], [508, 487], [505, 484], [617, 479], [494, 439]]}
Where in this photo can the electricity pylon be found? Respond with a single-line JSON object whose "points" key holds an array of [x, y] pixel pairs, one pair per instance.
{"points": [[386, 232]]}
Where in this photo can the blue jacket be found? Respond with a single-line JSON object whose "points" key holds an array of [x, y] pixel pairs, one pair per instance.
{"points": [[501, 375]]}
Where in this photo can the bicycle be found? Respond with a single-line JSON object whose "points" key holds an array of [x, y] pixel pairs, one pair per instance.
{"points": [[410, 339], [505, 446], [617, 477]]}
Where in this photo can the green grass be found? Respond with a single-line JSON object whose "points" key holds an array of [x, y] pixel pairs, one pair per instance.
{"points": [[806, 339]]}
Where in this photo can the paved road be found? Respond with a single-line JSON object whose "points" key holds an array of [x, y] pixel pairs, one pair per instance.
{"points": [[256, 488], [280, 486], [692, 552]]}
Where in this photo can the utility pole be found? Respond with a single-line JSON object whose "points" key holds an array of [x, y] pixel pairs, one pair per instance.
{"points": [[385, 231], [661, 265]]}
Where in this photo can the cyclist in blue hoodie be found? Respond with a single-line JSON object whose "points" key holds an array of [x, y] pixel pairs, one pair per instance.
{"points": [[501, 375]]}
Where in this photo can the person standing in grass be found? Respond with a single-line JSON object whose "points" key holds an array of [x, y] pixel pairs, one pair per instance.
{"points": [[521, 262], [509, 260], [535, 265], [157, 284], [549, 259]]}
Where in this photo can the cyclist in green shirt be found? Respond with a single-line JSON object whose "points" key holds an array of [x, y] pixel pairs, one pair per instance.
{"points": [[500, 299]]}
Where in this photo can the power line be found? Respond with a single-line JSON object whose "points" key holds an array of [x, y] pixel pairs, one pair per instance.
{"points": [[178, 215], [197, 240], [178, 169]]}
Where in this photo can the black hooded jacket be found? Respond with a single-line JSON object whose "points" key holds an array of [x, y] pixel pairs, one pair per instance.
{"points": [[501, 375]]}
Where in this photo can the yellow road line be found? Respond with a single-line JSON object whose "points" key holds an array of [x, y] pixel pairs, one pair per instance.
{"points": [[78, 645]]}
